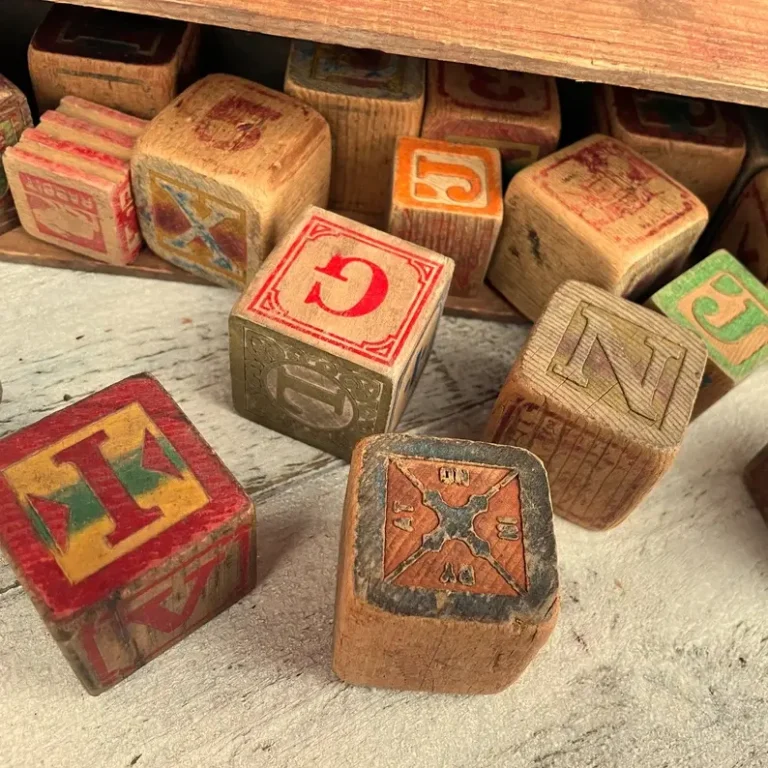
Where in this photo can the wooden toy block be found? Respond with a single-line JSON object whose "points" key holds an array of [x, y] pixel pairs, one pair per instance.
{"points": [[602, 393], [597, 212], [756, 480], [698, 142], [448, 573], [89, 134], [99, 115], [721, 302], [124, 527], [224, 171], [516, 112], [369, 99], [447, 197], [14, 118], [330, 338], [136, 64]]}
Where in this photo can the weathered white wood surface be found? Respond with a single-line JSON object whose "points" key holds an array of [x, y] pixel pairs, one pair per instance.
{"points": [[660, 657]]}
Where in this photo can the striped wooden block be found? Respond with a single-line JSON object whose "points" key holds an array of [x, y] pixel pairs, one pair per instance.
{"points": [[14, 118]]}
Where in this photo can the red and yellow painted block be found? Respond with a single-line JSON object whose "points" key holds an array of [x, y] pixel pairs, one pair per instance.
{"points": [[14, 118], [124, 527], [447, 197]]}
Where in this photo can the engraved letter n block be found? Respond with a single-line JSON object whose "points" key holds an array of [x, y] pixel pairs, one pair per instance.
{"points": [[602, 392], [330, 338], [447, 575], [124, 527]]}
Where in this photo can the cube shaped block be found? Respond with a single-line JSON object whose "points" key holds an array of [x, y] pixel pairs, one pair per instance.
{"points": [[602, 392], [14, 118], [597, 212], [447, 197], [516, 112], [330, 338], [124, 527], [136, 64], [224, 171], [369, 99], [448, 572], [721, 302]]}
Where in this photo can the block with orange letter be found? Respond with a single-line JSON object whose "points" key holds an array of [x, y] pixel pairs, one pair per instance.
{"points": [[124, 527], [516, 112], [447, 197], [331, 336]]}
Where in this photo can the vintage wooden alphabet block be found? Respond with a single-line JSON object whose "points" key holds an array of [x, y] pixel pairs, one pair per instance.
{"points": [[224, 171], [516, 112], [698, 142], [727, 307], [448, 573], [447, 197], [14, 118], [602, 393], [369, 99], [595, 211], [330, 338], [124, 527], [756, 480], [136, 64]]}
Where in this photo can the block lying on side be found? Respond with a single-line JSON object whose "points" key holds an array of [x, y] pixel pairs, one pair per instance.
{"points": [[14, 119]]}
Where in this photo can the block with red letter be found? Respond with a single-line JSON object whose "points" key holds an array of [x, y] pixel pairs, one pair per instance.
{"points": [[124, 527], [14, 118], [447, 197], [330, 338], [516, 112]]}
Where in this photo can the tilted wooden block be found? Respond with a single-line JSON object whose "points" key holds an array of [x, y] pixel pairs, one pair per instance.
{"points": [[447, 197], [369, 99], [136, 64], [756, 479], [602, 392], [698, 142], [595, 211], [448, 573], [516, 112], [330, 338], [223, 172], [14, 118], [727, 307], [104, 117], [124, 527]]}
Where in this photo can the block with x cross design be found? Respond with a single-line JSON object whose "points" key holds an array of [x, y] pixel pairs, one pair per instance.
{"points": [[223, 172], [448, 573]]}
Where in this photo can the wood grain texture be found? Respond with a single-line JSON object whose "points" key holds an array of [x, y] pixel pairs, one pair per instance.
{"points": [[223, 172], [727, 308], [14, 118], [602, 393], [447, 571], [447, 197], [369, 98], [331, 337], [597, 212], [756, 480], [131, 63]]}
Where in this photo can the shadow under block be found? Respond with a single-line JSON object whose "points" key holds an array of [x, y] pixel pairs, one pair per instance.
{"points": [[369, 98], [136, 64], [698, 142], [14, 119], [596, 212], [721, 302], [756, 480], [516, 112], [124, 528], [447, 575], [447, 197], [223, 172], [329, 340], [602, 393]]}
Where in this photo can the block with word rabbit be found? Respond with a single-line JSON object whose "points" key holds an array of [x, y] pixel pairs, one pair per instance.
{"points": [[447, 575], [756, 480], [726, 306], [447, 197], [602, 392], [14, 119], [369, 99], [598, 212], [135, 64], [223, 172], [331, 336], [124, 527]]}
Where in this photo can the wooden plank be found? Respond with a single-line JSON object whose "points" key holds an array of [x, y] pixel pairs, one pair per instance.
{"points": [[716, 50]]}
